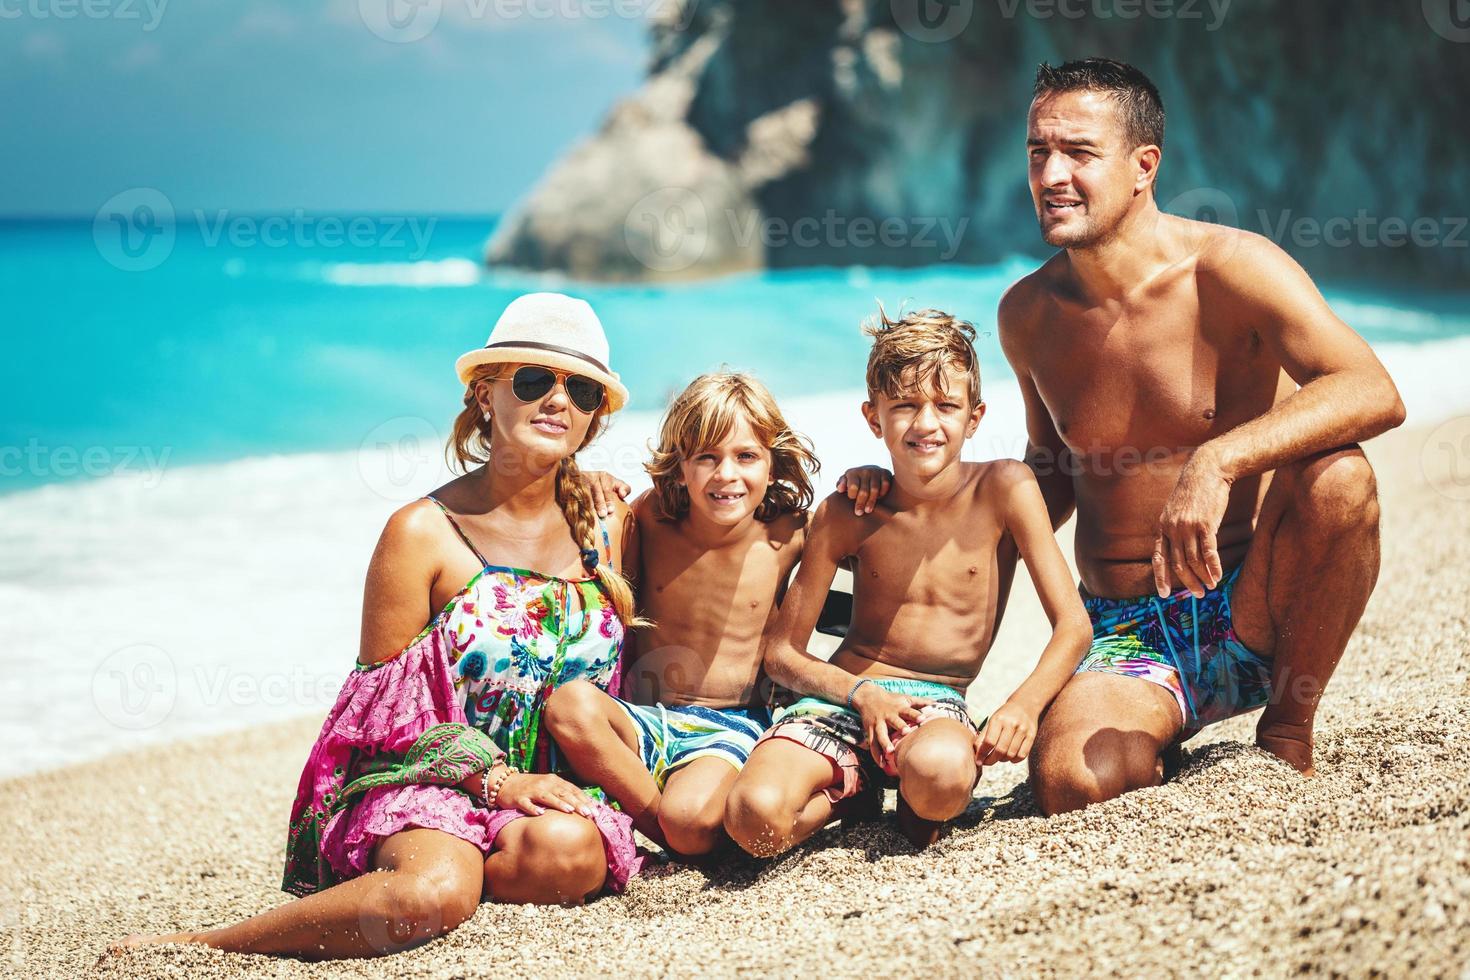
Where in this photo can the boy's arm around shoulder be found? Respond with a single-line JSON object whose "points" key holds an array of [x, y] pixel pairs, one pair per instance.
{"points": [[1011, 730]]}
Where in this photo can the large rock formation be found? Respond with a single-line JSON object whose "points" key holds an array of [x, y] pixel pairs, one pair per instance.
{"points": [[778, 133]]}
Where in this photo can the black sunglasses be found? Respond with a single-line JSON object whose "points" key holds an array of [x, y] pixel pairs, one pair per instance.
{"points": [[531, 383]]}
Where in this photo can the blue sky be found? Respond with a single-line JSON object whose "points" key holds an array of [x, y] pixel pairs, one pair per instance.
{"points": [[259, 105]]}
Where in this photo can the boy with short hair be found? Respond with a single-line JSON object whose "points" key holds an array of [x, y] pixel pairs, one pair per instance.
{"points": [[927, 574], [716, 540]]}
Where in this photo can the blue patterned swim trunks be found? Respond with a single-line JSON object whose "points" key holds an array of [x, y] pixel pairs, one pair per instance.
{"points": [[674, 735], [1186, 645]]}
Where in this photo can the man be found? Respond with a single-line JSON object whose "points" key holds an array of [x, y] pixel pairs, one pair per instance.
{"points": [[1191, 395]]}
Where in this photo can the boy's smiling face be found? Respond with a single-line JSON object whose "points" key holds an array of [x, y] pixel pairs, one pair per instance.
{"points": [[728, 481], [925, 428]]}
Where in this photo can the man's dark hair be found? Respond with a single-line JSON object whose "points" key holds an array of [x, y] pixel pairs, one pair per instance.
{"points": [[1138, 100]]}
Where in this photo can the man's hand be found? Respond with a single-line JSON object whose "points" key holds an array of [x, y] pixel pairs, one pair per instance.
{"points": [[883, 711], [865, 486], [603, 487], [1185, 539], [1007, 737]]}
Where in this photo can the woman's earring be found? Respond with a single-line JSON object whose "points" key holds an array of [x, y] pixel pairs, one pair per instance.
{"points": [[487, 415]]}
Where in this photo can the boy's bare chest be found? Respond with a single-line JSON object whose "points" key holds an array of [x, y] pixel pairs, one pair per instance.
{"points": [[928, 559]]}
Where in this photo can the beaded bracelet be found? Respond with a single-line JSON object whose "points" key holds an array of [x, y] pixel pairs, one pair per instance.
{"points": [[860, 683], [492, 793]]}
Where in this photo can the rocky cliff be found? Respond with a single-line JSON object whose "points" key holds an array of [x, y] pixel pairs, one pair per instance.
{"points": [[779, 133]]}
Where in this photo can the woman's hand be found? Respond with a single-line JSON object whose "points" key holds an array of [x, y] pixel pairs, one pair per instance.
{"points": [[865, 486], [603, 488], [1007, 737], [535, 793]]}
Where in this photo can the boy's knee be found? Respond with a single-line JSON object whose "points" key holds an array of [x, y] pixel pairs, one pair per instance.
{"points": [[759, 818], [691, 833], [572, 706], [937, 778]]}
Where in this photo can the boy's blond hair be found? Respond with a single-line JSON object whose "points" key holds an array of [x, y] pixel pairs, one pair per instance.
{"points": [[703, 415], [910, 354]]}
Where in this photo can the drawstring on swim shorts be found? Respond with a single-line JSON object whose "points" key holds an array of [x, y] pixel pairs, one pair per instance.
{"points": [[1178, 665]]}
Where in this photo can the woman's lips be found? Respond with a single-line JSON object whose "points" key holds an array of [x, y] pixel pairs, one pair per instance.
{"points": [[550, 426]]}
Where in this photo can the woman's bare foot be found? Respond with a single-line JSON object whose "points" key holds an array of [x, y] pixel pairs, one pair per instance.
{"points": [[1291, 743]]}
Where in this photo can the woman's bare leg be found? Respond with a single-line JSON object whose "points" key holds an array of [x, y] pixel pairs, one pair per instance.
{"points": [[551, 859], [425, 883]]}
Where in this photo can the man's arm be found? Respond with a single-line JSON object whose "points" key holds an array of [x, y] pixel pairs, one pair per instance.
{"points": [[1345, 396], [1046, 453]]}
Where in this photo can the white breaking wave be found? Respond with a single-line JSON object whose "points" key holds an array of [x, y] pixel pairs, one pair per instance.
{"points": [[435, 272], [219, 596]]}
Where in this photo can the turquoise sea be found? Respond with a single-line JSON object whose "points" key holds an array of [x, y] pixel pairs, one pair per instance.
{"points": [[201, 438], [267, 334]]}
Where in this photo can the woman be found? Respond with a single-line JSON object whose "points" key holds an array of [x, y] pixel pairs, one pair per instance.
{"points": [[431, 782]]}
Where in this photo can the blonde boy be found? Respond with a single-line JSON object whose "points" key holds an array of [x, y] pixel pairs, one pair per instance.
{"points": [[716, 540], [928, 565]]}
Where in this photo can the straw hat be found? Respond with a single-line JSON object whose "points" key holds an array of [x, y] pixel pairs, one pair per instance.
{"points": [[551, 330]]}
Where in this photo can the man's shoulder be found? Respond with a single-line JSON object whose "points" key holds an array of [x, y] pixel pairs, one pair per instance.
{"points": [[1025, 301]]}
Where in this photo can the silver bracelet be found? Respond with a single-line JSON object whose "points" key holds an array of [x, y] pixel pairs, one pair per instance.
{"points": [[860, 683]]}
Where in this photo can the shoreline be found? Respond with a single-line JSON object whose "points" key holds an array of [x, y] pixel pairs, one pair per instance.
{"points": [[1237, 861]]}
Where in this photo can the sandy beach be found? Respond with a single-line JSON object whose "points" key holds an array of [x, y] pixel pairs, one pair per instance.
{"points": [[1236, 867]]}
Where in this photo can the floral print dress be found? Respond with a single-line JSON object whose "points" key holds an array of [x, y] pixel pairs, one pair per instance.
{"points": [[466, 694]]}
